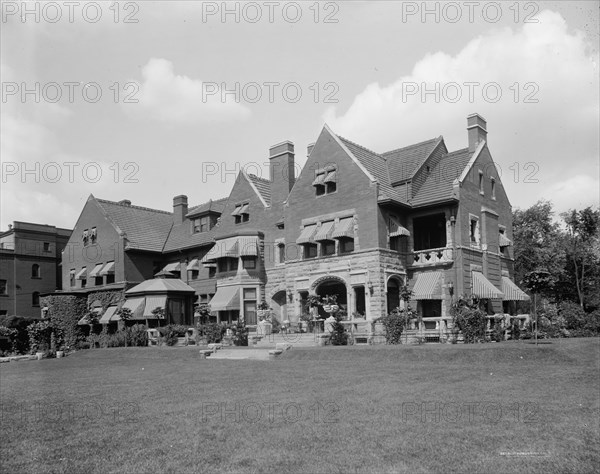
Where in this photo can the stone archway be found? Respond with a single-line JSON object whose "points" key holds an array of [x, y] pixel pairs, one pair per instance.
{"points": [[331, 285], [393, 285], [279, 304]]}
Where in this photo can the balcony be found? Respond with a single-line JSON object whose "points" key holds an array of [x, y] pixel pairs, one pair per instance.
{"points": [[438, 256]]}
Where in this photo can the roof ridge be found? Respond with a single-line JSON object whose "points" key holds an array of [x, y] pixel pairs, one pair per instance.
{"points": [[130, 206], [253, 176], [206, 202], [410, 146], [363, 147], [456, 152]]}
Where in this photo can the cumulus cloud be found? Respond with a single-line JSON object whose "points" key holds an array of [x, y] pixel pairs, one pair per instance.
{"points": [[547, 111], [168, 97]]}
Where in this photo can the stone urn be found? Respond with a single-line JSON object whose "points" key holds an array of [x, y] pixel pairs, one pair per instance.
{"points": [[330, 308]]}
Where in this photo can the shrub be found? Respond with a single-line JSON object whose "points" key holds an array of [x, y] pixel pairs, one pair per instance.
{"points": [[212, 331], [515, 330], [240, 333], [40, 335], [395, 323], [138, 337], [573, 315], [339, 336], [469, 319], [276, 325], [21, 340]]}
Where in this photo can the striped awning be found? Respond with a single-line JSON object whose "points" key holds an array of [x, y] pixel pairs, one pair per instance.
{"points": [[344, 228], [306, 236], [136, 305], [483, 288], [236, 211], [226, 299], [331, 177], [504, 241], [320, 178], [244, 209], [324, 232], [194, 265], [96, 271], [108, 314], [512, 292], [72, 272], [81, 275], [172, 267], [428, 286], [109, 269], [222, 248], [396, 229], [248, 246], [153, 302]]}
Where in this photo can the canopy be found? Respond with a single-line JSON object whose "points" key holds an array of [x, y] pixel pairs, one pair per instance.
{"points": [[226, 299], [96, 271], [108, 314], [512, 292], [428, 286], [397, 229], [172, 267], [109, 269], [324, 233], [344, 228], [483, 288], [81, 275], [504, 241], [153, 302], [194, 264], [306, 236], [136, 305]]}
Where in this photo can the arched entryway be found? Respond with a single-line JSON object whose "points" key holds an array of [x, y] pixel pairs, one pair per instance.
{"points": [[279, 305], [332, 286], [393, 293]]}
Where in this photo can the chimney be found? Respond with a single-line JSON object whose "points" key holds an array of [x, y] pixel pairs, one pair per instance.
{"points": [[180, 209], [125, 202], [282, 171], [477, 130], [309, 148]]}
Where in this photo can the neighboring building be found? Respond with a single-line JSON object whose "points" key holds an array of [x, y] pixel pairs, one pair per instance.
{"points": [[30, 259], [354, 223]]}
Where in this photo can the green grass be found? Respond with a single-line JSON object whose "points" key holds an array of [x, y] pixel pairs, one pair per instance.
{"points": [[330, 409]]}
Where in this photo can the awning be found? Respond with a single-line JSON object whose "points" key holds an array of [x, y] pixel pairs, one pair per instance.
{"points": [[194, 264], [504, 241], [396, 229], [331, 177], [81, 275], [483, 288], [306, 236], [83, 321], [344, 228], [72, 272], [244, 209], [109, 269], [109, 313], [153, 302], [512, 292], [172, 267], [226, 299], [248, 246], [324, 232], [236, 211], [428, 286], [320, 179], [95, 272], [136, 305]]}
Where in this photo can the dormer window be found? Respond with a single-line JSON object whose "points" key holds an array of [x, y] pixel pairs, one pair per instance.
{"points": [[200, 224], [85, 236], [241, 213], [93, 234]]}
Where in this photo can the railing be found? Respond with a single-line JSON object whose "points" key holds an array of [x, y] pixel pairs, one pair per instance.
{"points": [[432, 256]]}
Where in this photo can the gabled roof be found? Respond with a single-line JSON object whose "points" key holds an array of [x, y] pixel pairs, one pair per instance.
{"points": [[261, 186], [439, 185], [144, 228], [181, 237], [215, 205], [404, 162]]}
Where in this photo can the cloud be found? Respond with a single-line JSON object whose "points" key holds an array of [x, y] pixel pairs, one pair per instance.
{"points": [[553, 120], [167, 97]]}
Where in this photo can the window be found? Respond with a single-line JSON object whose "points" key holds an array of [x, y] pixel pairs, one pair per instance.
{"points": [[346, 245], [325, 181], [474, 230], [281, 252], [3, 290], [72, 276], [227, 264], [35, 271], [46, 246], [429, 232], [110, 278], [327, 247], [83, 282], [241, 213], [93, 234], [320, 190], [330, 188], [3, 312], [481, 182], [249, 263], [431, 308], [250, 305], [201, 224], [212, 271], [35, 299], [98, 281], [85, 236], [493, 188], [310, 250], [399, 243]]}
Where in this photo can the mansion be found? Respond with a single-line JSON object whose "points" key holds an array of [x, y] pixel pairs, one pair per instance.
{"points": [[354, 223]]}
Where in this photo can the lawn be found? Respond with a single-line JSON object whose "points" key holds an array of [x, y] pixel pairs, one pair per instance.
{"points": [[508, 407]]}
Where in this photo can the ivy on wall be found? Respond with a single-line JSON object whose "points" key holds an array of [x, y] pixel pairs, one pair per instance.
{"points": [[64, 312]]}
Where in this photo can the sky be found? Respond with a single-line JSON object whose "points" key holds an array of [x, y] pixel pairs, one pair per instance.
{"points": [[148, 100]]}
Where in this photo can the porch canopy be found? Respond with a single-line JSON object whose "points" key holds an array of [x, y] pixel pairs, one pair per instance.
{"points": [[396, 229], [233, 247], [428, 286], [152, 294], [483, 288], [512, 292], [108, 314], [226, 298]]}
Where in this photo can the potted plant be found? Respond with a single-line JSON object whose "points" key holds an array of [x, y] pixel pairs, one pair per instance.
{"points": [[263, 310], [330, 303]]}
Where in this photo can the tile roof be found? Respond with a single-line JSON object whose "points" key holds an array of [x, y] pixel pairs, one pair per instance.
{"points": [[181, 237], [213, 205], [144, 228], [160, 285], [404, 162], [439, 184], [263, 186]]}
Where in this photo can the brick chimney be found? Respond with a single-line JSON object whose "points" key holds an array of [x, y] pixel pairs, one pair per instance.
{"points": [[477, 130], [180, 208], [282, 171]]}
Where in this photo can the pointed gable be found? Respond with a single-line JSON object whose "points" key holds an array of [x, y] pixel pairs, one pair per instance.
{"points": [[404, 162]]}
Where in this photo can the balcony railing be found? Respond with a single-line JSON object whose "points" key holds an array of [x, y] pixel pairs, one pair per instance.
{"points": [[432, 256]]}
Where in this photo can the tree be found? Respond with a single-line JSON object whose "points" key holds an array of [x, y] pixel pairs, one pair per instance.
{"points": [[583, 247], [538, 244]]}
